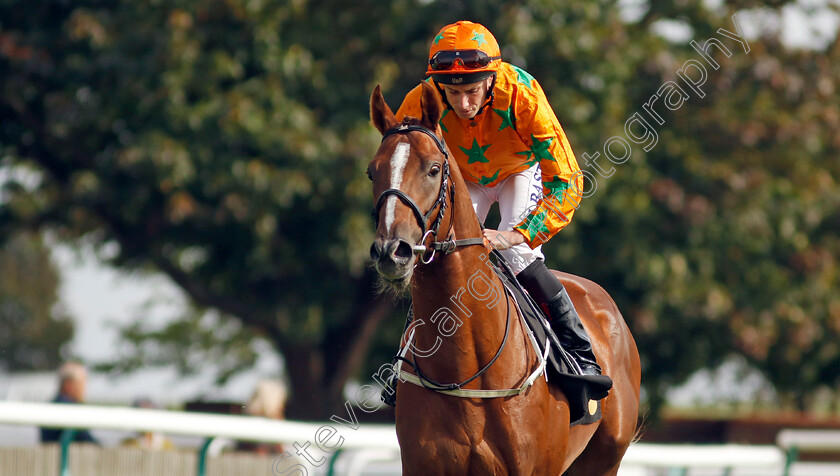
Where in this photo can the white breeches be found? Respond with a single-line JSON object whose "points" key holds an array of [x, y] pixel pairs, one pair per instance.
{"points": [[517, 195]]}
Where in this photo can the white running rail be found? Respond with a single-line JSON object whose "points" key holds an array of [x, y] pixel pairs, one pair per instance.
{"points": [[377, 442]]}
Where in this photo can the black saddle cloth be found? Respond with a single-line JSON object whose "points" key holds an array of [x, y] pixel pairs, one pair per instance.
{"points": [[580, 390]]}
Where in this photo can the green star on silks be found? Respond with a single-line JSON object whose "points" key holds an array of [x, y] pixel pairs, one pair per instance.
{"points": [[507, 117], [538, 151], [478, 38], [522, 77], [475, 153], [445, 112], [540, 148], [557, 186], [535, 224], [438, 38], [487, 180], [532, 159]]}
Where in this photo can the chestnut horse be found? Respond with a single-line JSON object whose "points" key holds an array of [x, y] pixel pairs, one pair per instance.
{"points": [[466, 329]]}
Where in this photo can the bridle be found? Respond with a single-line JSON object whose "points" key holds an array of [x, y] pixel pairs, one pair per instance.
{"points": [[456, 389], [446, 246]]}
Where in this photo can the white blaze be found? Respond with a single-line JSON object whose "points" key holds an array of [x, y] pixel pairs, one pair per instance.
{"points": [[398, 161]]}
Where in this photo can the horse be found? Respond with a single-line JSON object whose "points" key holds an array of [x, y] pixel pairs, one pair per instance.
{"points": [[466, 329]]}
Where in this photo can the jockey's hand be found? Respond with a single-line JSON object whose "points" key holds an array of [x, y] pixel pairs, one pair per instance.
{"points": [[502, 240]]}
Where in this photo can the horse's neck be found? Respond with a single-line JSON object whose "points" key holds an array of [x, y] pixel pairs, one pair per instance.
{"points": [[460, 302], [449, 274]]}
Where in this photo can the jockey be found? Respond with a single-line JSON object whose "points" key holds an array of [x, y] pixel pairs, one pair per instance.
{"points": [[510, 149]]}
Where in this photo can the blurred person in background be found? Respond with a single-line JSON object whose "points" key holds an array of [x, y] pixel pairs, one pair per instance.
{"points": [[72, 383], [268, 401], [149, 440]]}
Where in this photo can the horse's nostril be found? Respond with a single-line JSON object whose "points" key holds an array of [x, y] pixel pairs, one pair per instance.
{"points": [[374, 252], [403, 251]]}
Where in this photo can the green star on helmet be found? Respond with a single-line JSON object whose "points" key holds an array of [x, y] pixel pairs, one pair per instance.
{"points": [[478, 38], [475, 153], [438, 38]]}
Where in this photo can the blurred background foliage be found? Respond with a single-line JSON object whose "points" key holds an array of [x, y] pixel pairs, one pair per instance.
{"points": [[33, 325], [224, 142]]}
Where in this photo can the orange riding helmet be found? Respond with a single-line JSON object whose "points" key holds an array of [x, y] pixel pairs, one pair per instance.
{"points": [[463, 53]]}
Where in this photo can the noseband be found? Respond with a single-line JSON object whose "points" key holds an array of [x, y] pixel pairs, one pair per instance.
{"points": [[440, 203]]}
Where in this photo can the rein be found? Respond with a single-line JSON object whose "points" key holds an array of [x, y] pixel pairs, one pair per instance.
{"points": [[446, 246], [433, 385], [455, 389]]}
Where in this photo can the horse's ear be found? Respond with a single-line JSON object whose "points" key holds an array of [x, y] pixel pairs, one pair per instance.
{"points": [[382, 116], [431, 105]]}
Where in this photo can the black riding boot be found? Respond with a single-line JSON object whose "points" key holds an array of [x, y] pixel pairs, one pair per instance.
{"points": [[548, 291]]}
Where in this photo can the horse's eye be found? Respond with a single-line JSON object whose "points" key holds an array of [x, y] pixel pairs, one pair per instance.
{"points": [[370, 177], [434, 170]]}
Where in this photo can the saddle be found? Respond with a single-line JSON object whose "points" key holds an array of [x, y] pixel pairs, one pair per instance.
{"points": [[583, 409], [578, 389]]}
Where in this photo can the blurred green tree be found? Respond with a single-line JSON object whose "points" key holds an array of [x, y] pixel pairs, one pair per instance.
{"points": [[224, 142], [204, 140], [33, 326]]}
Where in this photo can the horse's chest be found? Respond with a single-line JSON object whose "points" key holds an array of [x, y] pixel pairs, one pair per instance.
{"points": [[464, 450], [445, 456]]}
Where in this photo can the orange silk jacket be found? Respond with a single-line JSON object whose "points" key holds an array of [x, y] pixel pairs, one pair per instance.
{"points": [[510, 134]]}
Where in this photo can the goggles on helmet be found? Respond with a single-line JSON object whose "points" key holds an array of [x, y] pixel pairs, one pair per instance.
{"points": [[469, 59]]}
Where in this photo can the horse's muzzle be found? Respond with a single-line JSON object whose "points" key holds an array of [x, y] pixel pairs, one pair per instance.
{"points": [[393, 257]]}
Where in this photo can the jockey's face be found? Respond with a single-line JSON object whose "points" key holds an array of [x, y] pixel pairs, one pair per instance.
{"points": [[467, 99]]}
